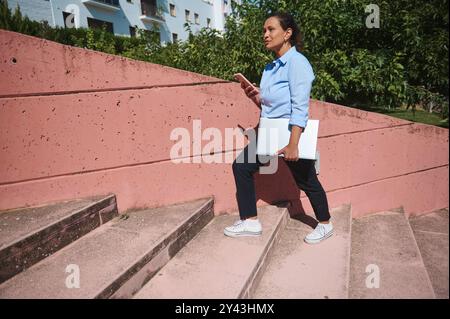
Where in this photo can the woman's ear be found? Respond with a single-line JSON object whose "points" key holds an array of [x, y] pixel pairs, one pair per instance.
{"points": [[288, 34]]}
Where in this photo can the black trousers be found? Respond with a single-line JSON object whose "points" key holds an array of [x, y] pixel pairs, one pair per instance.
{"points": [[303, 172]]}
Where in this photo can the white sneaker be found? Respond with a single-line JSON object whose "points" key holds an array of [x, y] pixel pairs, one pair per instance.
{"points": [[248, 227], [321, 232]]}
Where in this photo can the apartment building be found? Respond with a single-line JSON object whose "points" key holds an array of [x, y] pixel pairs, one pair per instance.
{"points": [[122, 17]]}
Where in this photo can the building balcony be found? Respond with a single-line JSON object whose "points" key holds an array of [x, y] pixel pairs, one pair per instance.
{"points": [[150, 12], [109, 5]]}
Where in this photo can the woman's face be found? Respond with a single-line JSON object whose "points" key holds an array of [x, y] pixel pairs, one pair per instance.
{"points": [[273, 34]]}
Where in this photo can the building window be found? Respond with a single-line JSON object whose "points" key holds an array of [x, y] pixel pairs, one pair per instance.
{"points": [[96, 23], [132, 31], [208, 22], [173, 13], [174, 37], [196, 18], [68, 22], [188, 15], [149, 8]]}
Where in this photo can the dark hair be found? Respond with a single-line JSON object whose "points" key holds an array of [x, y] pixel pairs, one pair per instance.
{"points": [[287, 21]]}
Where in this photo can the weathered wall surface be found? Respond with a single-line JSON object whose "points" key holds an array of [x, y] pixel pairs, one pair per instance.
{"points": [[76, 123]]}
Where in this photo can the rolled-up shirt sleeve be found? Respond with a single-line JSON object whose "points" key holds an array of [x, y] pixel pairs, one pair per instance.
{"points": [[300, 78]]}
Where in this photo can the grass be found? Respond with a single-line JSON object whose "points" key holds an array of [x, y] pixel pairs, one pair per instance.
{"points": [[420, 115]]}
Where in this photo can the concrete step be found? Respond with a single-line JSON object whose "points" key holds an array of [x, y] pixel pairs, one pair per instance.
{"points": [[116, 259], [28, 235], [213, 265], [385, 259], [299, 270], [431, 233]]}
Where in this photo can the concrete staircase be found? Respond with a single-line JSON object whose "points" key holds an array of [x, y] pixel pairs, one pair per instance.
{"points": [[85, 249], [31, 234], [383, 245], [116, 258], [215, 266], [299, 270], [431, 234]]}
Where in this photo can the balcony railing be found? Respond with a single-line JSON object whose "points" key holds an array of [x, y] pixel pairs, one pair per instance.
{"points": [[111, 2], [111, 5]]}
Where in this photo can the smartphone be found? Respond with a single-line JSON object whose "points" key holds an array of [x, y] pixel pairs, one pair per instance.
{"points": [[241, 78]]}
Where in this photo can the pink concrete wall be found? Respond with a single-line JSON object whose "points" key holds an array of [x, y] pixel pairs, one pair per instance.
{"points": [[76, 123]]}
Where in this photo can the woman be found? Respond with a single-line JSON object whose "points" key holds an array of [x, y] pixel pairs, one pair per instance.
{"points": [[285, 90]]}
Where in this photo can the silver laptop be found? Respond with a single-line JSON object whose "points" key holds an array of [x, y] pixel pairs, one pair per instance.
{"points": [[274, 134]]}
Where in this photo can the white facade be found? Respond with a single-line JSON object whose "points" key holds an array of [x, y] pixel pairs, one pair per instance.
{"points": [[122, 15]]}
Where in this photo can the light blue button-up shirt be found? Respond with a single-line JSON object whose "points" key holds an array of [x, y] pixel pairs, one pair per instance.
{"points": [[285, 88]]}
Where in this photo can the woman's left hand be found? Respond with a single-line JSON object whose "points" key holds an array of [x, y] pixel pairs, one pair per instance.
{"points": [[290, 152]]}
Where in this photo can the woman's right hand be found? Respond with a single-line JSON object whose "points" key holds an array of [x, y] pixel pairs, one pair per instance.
{"points": [[252, 93]]}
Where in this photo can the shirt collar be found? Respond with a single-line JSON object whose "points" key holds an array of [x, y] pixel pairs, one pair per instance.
{"points": [[285, 57]]}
